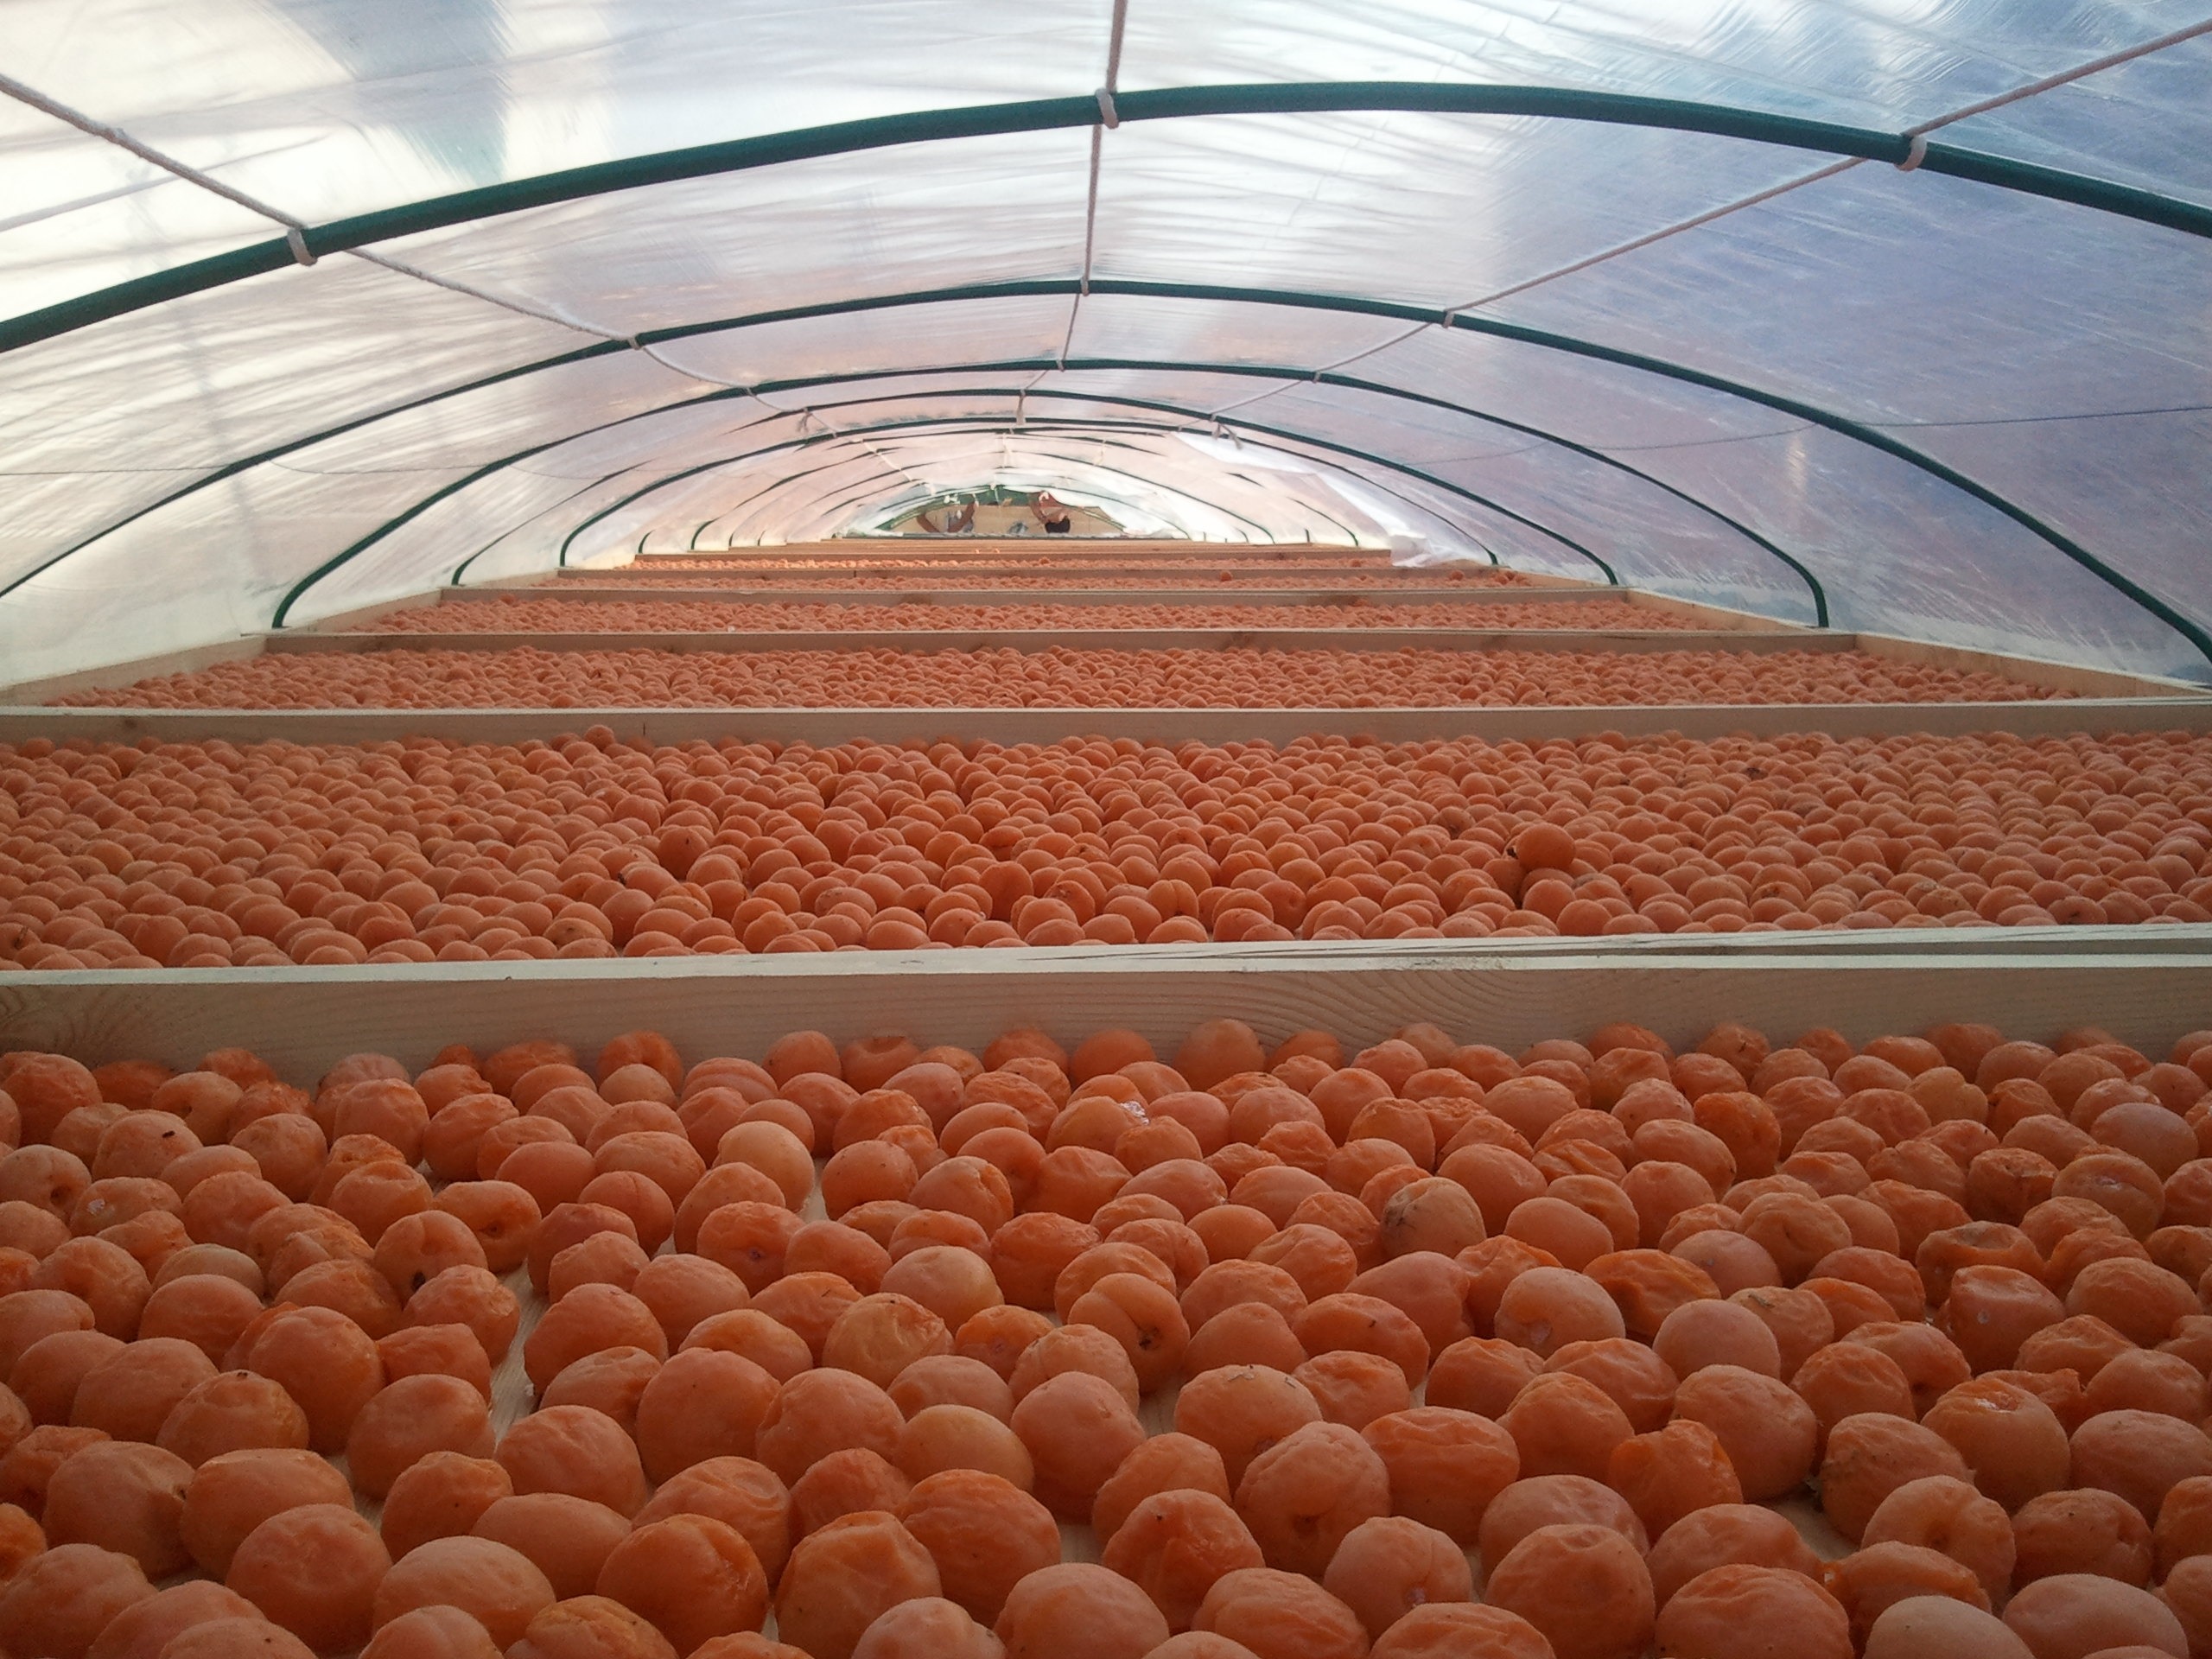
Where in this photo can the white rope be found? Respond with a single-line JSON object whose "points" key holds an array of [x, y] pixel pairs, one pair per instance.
{"points": [[1090, 242], [295, 229], [1113, 47], [521, 310], [122, 140], [2112, 60], [401, 268], [1661, 235], [1109, 117], [1915, 154], [807, 418]]}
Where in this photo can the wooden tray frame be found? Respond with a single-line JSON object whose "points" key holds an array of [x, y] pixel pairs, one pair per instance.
{"points": [[2148, 985]]}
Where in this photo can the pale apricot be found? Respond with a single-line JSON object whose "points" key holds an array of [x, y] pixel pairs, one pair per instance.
{"points": [[442, 1632], [2080, 1531], [1936, 1627], [317, 1570], [2072, 1615], [1742, 1611], [1768, 1432], [61, 1600], [575, 1450], [123, 1497], [840, 1579], [1585, 1587], [496, 1585], [1302, 1495], [1267, 1611]]}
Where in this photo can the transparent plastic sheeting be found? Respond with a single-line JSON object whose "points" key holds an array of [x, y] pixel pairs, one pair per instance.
{"points": [[1153, 484], [2057, 356]]}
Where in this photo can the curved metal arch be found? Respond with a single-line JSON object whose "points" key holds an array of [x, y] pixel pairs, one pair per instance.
{"points": [[1068, 428], [1049, 114], [769, 488], [1330, 377], [461, 569], [2199, 639], [1088, 397], [1046, 287], [299, 588], [1073, 366], [1074, 428], [1843, 425], [1077, 426], [1003, 429]]}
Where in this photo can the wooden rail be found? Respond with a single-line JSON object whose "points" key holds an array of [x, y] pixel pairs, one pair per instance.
{"points": [[734, 641], [2052, 718], [2146, 985]]}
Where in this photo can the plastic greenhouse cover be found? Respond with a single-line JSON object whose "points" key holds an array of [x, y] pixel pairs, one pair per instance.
{"points": [[1724, 359]]}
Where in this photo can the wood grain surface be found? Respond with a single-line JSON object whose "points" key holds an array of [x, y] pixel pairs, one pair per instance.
{"points": [[2147, 985]]}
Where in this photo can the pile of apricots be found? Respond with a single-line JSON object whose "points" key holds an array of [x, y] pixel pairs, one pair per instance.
{"points": [[1059, 678], [536, 614], [1423, 1350], [208, 855]]}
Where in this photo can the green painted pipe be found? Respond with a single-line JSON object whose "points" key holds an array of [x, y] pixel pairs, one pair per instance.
{"points": [[1843, 425], [1131, 403], [293, 595], [1050, 114]]}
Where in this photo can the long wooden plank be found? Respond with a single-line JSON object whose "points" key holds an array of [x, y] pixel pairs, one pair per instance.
{"points": [[127, 673], [896, 566], [866, 549], [2079, 679], [897, 588], [892, 593], [1633, 641], [303, 1020], [2082, 682], [2055, 717]]}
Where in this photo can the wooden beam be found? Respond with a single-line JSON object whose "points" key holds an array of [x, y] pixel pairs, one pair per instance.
{"points": [[2052, 718], [109, 674], [2080, 678], [2074, 678], [897, 588], [891, 567], [301, 1020], [295, 641], [1031, 551]]}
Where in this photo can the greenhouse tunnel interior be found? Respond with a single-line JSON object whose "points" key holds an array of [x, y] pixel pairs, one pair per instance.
{"points": [[1895, 317]]}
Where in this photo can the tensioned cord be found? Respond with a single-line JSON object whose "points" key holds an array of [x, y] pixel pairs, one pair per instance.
{"points": [[295, 227], [1107, 118], [1919, 134]]}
